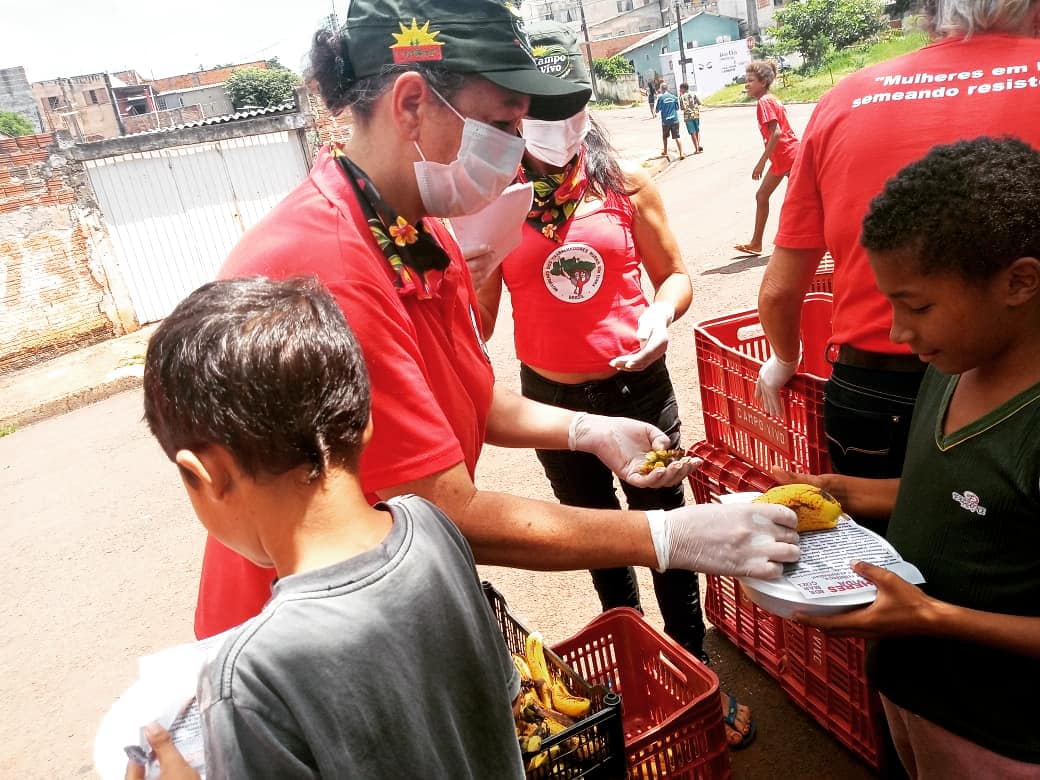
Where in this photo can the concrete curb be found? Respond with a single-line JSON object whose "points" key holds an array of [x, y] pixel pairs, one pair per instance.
{"points": [[70, 402]]}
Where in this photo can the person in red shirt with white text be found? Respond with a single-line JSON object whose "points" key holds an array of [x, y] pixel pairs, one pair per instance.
{"points": [[979, 78]]}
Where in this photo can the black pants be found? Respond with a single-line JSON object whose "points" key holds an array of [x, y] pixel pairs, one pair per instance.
{"points": [[866, 414], [580, 479]]}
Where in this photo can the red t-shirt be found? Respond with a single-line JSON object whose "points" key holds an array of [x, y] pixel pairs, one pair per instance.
{"points": [[772, 110], [879, 120], [431, 378], [576, 304]]}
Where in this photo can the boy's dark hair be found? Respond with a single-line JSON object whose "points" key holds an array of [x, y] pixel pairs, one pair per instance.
{"points": [[268, 369], [968, 208]]}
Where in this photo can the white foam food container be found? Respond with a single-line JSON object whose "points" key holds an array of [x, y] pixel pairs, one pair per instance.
{"points": [[782, 598]]}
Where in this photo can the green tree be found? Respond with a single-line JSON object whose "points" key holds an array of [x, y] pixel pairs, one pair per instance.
{"points": [[611, 68], [817, 27], [15, 124], [260, 88]]}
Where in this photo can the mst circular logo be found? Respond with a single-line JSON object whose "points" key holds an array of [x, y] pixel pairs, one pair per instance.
{"points": [[573, 272]]}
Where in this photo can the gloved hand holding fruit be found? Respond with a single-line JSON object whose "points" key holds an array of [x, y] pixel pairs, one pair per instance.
{"points": [[624, 444], [743, 540]]}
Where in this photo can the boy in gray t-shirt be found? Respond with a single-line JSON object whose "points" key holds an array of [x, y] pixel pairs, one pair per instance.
{"points": [[377, 655]]}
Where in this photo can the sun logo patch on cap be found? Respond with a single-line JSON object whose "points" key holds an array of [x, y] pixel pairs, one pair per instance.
{"points": [[416, 44], [552, 59]]}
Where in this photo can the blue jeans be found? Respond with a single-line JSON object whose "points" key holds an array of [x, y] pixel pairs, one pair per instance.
{"points": [[580, 479]]}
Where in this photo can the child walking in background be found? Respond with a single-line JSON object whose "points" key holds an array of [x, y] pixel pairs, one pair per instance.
{"points": [[668, 108], [955, 246], [781, 145], [257, 390], [691, 108]]}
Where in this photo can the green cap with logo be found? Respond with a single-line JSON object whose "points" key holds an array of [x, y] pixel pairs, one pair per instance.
{"points": [[483, 37], [557, 51]]}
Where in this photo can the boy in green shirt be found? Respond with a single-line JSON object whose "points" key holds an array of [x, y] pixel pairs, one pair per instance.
{"points": [[954, 242]]}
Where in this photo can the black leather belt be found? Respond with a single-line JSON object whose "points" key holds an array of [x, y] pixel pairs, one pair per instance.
{"points": [[848, 355]]}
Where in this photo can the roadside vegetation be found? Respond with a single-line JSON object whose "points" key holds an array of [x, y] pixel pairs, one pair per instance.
{"points": [[809, 83]]}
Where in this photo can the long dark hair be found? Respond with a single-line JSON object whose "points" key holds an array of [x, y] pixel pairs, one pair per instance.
{"points": [[601, 165]]}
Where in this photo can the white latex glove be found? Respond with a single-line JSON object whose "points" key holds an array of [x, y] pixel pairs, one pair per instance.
{"points": [[742, 540], [774, 374], [482, 262], [622, 443], [652, 332]]}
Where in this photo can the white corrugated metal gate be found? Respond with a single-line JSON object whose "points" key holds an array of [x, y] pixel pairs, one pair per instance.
{"points": [[175, 213]]}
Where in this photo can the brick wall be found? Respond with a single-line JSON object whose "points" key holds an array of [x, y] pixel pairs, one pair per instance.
{"points": [[202, 77], [140, 123], [328, 127], [54, 290]]}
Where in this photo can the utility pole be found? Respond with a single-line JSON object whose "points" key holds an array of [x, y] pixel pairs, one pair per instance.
{"points": [[588, 48], [333, 19], [682, 46], [752, 18]]}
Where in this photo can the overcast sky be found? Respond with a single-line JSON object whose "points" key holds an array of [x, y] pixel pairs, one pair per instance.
{"points": [[52, 38]]}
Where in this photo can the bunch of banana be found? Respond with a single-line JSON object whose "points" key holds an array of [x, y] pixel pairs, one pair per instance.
{"points": [[817, 509], [658, 459], [545, 706], [553, 692]]}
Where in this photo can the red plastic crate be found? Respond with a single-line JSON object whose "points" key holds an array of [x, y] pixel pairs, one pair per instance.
{"points": [[757, 632], [730, 352], [825, 676], [823, 280], [671, 711]]}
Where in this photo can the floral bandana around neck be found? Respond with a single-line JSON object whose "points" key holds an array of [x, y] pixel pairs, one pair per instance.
{"points": [[409, 249], [556, 196]]}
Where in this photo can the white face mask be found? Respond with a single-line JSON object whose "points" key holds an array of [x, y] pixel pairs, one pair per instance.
{"points": [[556, 143], [486, 164]]}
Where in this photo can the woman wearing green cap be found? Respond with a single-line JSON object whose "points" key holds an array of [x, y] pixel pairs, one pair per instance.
{"points": [[586, 335], [437, 91]]}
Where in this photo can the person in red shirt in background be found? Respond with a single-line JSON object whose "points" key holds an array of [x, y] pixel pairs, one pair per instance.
{"points": [[436, 109], [781, 146], [596, 344], [978, 78]]}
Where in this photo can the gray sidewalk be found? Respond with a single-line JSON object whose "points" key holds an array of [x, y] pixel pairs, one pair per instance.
{"points": [[72, 380]]}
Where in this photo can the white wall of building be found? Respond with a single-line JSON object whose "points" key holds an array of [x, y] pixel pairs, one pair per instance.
{"points": [[710, 67]]}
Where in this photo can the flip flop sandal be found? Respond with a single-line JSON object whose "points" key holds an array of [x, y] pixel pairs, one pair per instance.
{"points": [[730, 719], [745, 249]]}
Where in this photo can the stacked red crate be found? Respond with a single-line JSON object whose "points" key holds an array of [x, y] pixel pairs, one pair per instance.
{"points": [[730, 352], [825, 676], [823, 280]]}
